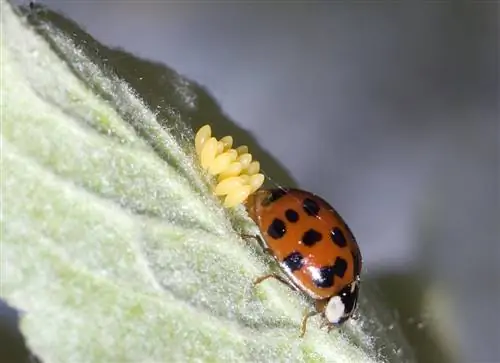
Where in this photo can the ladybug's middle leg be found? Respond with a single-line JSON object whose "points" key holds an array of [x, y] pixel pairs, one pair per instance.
{"points": [[276, 277]]}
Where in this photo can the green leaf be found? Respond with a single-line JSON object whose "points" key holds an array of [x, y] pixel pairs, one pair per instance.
{"points": [[112, 243]]}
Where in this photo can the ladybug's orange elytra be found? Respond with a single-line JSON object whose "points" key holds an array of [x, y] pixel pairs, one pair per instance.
{"points": [[314, 247]]}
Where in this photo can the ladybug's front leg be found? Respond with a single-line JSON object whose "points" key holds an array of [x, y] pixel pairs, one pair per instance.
{"points": [[306, 317], [329, 326]]}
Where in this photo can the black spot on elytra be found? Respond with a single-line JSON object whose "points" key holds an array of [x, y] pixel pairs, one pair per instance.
{"points": [[310, 207], [292, 215], [311, 237], [328, 273], [294, 261], [274, 195], [277, 229], [338, 237]]}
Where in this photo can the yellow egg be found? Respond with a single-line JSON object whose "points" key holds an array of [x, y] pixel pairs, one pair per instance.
{"points": [[256, 182], [220, 163], [202, 136], [227, 185], [233, 169], [243, 149], [220, 147], [245, 178], [238, 175], [208, 152], [233, 153], [237, 196], [245, 160], [253, 168], [227, 141]]}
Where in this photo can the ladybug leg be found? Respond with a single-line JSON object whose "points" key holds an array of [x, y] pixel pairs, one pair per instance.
{"points": [[306, 317], [330, 327], [273, 276], [254, 237], [323, 324], [258, 239]]}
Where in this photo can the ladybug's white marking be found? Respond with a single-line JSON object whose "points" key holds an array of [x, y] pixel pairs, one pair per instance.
{"points": [[335, 309]]}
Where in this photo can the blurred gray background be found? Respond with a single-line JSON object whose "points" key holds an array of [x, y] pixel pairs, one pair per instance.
{"points": [[389, 111]]}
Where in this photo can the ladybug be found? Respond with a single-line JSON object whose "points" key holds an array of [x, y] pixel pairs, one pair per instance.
{"points": [[315, 249]]}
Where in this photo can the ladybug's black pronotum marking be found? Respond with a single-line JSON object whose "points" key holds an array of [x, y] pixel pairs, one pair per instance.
{"points": [[273, 196], [294, 261], [310, 207], [291, 215], [338, 237], [328, 273], [277, 229], [349, 299], [311, 237]]}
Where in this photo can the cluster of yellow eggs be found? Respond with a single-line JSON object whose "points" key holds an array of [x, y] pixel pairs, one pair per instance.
{"points": [[237, 175]]}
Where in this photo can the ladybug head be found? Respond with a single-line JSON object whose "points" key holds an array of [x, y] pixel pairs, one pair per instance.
{"points": [[341, 306], [262, 200], [253, 204]]}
